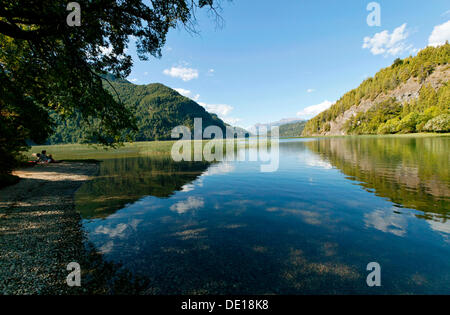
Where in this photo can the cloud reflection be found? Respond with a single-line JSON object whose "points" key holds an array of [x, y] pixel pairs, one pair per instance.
{"points": [[118, 231], [216, 169], [386, 222], [313, 160], [192, 203]]}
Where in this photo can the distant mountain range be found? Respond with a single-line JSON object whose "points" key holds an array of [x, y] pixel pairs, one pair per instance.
{"points": [[292, 130], [157, 109], [412, 95], [268, 126]]}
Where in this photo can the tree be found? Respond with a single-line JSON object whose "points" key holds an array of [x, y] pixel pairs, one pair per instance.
{"points": [[52, 66], [397, 62], [438, 124], [20, 119], [385, 81]]}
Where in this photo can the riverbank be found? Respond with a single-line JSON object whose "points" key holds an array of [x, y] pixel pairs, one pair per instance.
{"points": [[40, 230], [41, 233], [396, 135]]}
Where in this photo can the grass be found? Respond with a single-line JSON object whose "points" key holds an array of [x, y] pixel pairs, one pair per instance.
{"points": [[85, 152]]}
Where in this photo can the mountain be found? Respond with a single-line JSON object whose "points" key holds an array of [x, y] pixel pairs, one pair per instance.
{"points": [[412, 95], [241, 132], [292, 129], [268, 126], [157, 109]]}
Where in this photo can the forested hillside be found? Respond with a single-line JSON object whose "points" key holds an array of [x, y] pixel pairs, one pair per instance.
{"points": [[292, 130], [157, 110], [412, 95]]}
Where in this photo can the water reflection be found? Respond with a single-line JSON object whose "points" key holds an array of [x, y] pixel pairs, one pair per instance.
{"points": [[126, 180], [227, 228], [387, 222], [191, 203], [411, 172]]}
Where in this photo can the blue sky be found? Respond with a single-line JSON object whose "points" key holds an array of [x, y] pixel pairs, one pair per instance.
{"points": [[289, 58]]}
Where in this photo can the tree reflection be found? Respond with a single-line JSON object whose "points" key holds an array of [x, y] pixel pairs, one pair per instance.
{"points": [[411, 172], [126, 180]]}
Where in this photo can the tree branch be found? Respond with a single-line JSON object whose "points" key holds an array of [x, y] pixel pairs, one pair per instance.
{"points": [[16, 32]]}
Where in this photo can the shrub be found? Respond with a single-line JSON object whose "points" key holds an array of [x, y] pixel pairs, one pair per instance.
{"points": [[440, 123], [408, 123], [389, 127]]}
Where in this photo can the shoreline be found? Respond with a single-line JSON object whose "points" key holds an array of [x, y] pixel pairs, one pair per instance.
{"points": [[394, 135], [40, 229], [41, 233], [87, 152]]}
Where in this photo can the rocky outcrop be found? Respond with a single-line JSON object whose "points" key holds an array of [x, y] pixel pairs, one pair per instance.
{"points": [[403, 93]]}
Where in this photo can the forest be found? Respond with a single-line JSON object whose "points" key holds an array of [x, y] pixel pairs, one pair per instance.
{"points": [[429, 113], [157, 109]]}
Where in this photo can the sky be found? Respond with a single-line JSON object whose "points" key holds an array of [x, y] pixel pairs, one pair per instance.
{"points": [[272, 60]]}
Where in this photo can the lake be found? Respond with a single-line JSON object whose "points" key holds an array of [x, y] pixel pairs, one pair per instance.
{"points": [[313, 226]]}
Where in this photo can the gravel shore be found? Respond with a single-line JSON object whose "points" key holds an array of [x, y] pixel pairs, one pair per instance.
{"points": [[40, 231]]}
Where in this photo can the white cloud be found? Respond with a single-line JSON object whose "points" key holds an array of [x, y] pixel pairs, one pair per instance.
{"points": [[134, 80], [191, 203], [310, 90], [219, 109], [185, 74], [314, 161], [183, 91], [220, 169], [216, 169], [118, 231], [312, 111], [211, 72], [231, 120], [108, 51], [386, 222], [385, 43], [440, 34], [134, 223], [188, 188], [446, 13], [310, 217], [440, 226], [107, 248], [188, 93]]}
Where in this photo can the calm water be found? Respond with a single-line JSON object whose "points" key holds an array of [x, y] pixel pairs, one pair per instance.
{"points": [[333, 206]]}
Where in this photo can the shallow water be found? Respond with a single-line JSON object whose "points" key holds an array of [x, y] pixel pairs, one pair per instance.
{"points": [[333, 206]]}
